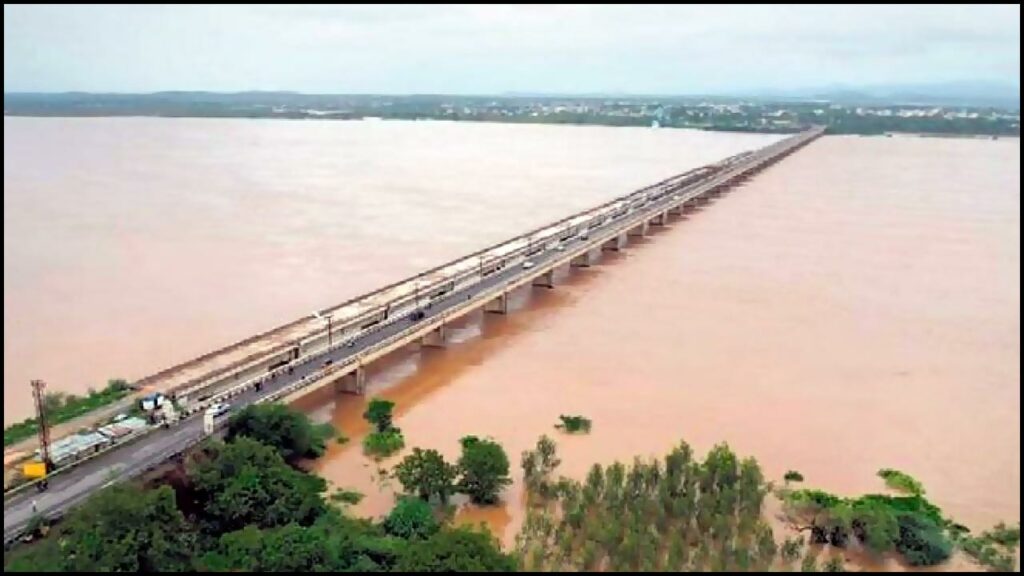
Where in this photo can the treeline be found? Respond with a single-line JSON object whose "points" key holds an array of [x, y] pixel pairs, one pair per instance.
{"points": [[683, 514], [240, 505]]}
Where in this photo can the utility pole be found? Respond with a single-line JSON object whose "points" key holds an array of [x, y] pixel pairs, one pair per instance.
{"points": [[38, 387]]}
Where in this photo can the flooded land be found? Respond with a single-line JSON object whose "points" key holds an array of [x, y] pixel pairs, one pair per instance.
{"points": [[854, 307]]}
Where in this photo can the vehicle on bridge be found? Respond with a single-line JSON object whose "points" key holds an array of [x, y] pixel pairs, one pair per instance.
{"points": [[417, 315], [528, 264]]}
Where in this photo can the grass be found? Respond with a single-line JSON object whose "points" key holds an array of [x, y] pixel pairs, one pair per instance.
{"points": [[383, 444], [901, 481], [62, 407], [341, 439]]}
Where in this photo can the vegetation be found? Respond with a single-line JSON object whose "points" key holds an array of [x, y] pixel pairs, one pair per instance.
{"points": [[121, 528], [573, 424], [908, 525], [901, 481], [674, 514], [485, 468], [383, 444], [347, 496], [290, 432], [995, 548], [378, 413], [385, 440], [425, 474], [241, 507], [793, 476], [61, 407], [411, 518]]}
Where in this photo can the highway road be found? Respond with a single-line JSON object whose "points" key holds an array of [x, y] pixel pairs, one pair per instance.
{"points": [[70, 487]]}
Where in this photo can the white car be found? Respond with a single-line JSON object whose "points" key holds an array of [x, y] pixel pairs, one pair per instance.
{"points": [[218, 409], [527, 265], [560, 247]]}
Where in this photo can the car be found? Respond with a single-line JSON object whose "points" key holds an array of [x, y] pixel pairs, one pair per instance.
{"points": [[528, 264], [560, 247], [219, 409], [584, 235], [350, 344], [417, 315]]}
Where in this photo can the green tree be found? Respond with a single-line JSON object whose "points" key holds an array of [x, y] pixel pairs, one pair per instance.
{"points": [[426, 474], [246, 482], [461, 549], [378, 413], [809, 564], [484, 467], [411, 518], [120, 529], [280, 426]]}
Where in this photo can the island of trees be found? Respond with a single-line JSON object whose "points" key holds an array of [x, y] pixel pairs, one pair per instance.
{"points": [[244, 504]]}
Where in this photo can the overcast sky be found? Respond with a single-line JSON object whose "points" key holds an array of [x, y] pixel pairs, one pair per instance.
{"points": [[494, 49]]}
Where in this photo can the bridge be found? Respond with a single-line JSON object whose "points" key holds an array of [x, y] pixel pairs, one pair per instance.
{"points": [[416, 310]]}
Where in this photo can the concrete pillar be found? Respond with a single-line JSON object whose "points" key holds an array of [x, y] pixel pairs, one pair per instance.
{"points": [[498, 305], [584, 260], [640, 229], [352, 383], [545, 280], [676, 210], [660, 219], [615, 244], [435, 338]]}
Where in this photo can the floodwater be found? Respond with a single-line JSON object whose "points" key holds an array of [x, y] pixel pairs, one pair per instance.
{"points": [[855, 307], [133, 244]]}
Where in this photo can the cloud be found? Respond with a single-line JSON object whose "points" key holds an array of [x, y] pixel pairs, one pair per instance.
{"points": [[488, 48]]}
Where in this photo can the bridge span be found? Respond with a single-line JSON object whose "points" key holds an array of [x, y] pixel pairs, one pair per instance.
{"points": [[416, 310]]}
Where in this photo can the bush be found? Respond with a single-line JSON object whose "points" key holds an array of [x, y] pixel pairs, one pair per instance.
{"points": [[383, 444], [411, 518], [793, 476], [347, 496], [921, 541], [573, 424]]}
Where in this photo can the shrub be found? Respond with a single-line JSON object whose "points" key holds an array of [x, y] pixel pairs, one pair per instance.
{"points": [[573, 424], [793, 476], [383, 444]]}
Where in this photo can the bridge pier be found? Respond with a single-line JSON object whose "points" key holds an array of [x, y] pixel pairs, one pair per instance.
{"points": [[498, 305], [545, 280], [584, 260], [615, 244], [676, 210], [435, 338], [640, 229], [352, 383], [660, 219]]}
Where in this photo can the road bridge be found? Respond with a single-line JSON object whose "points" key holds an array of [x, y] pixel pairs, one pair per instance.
{"points": [[413, 311]]}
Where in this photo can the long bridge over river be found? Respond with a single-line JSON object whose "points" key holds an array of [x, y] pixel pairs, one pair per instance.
{"points": [[334, 346]]}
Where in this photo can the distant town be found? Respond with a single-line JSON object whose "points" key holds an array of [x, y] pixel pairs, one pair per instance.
{"points": [[725, 114]]}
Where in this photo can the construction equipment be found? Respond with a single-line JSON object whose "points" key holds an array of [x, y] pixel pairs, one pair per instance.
{"points": [[38, 387]]}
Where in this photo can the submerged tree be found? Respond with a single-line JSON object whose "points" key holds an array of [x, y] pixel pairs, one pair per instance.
{"points": [[484, 467]]}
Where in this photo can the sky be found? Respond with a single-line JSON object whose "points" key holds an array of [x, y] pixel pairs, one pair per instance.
{"points": [[493, 49]]}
